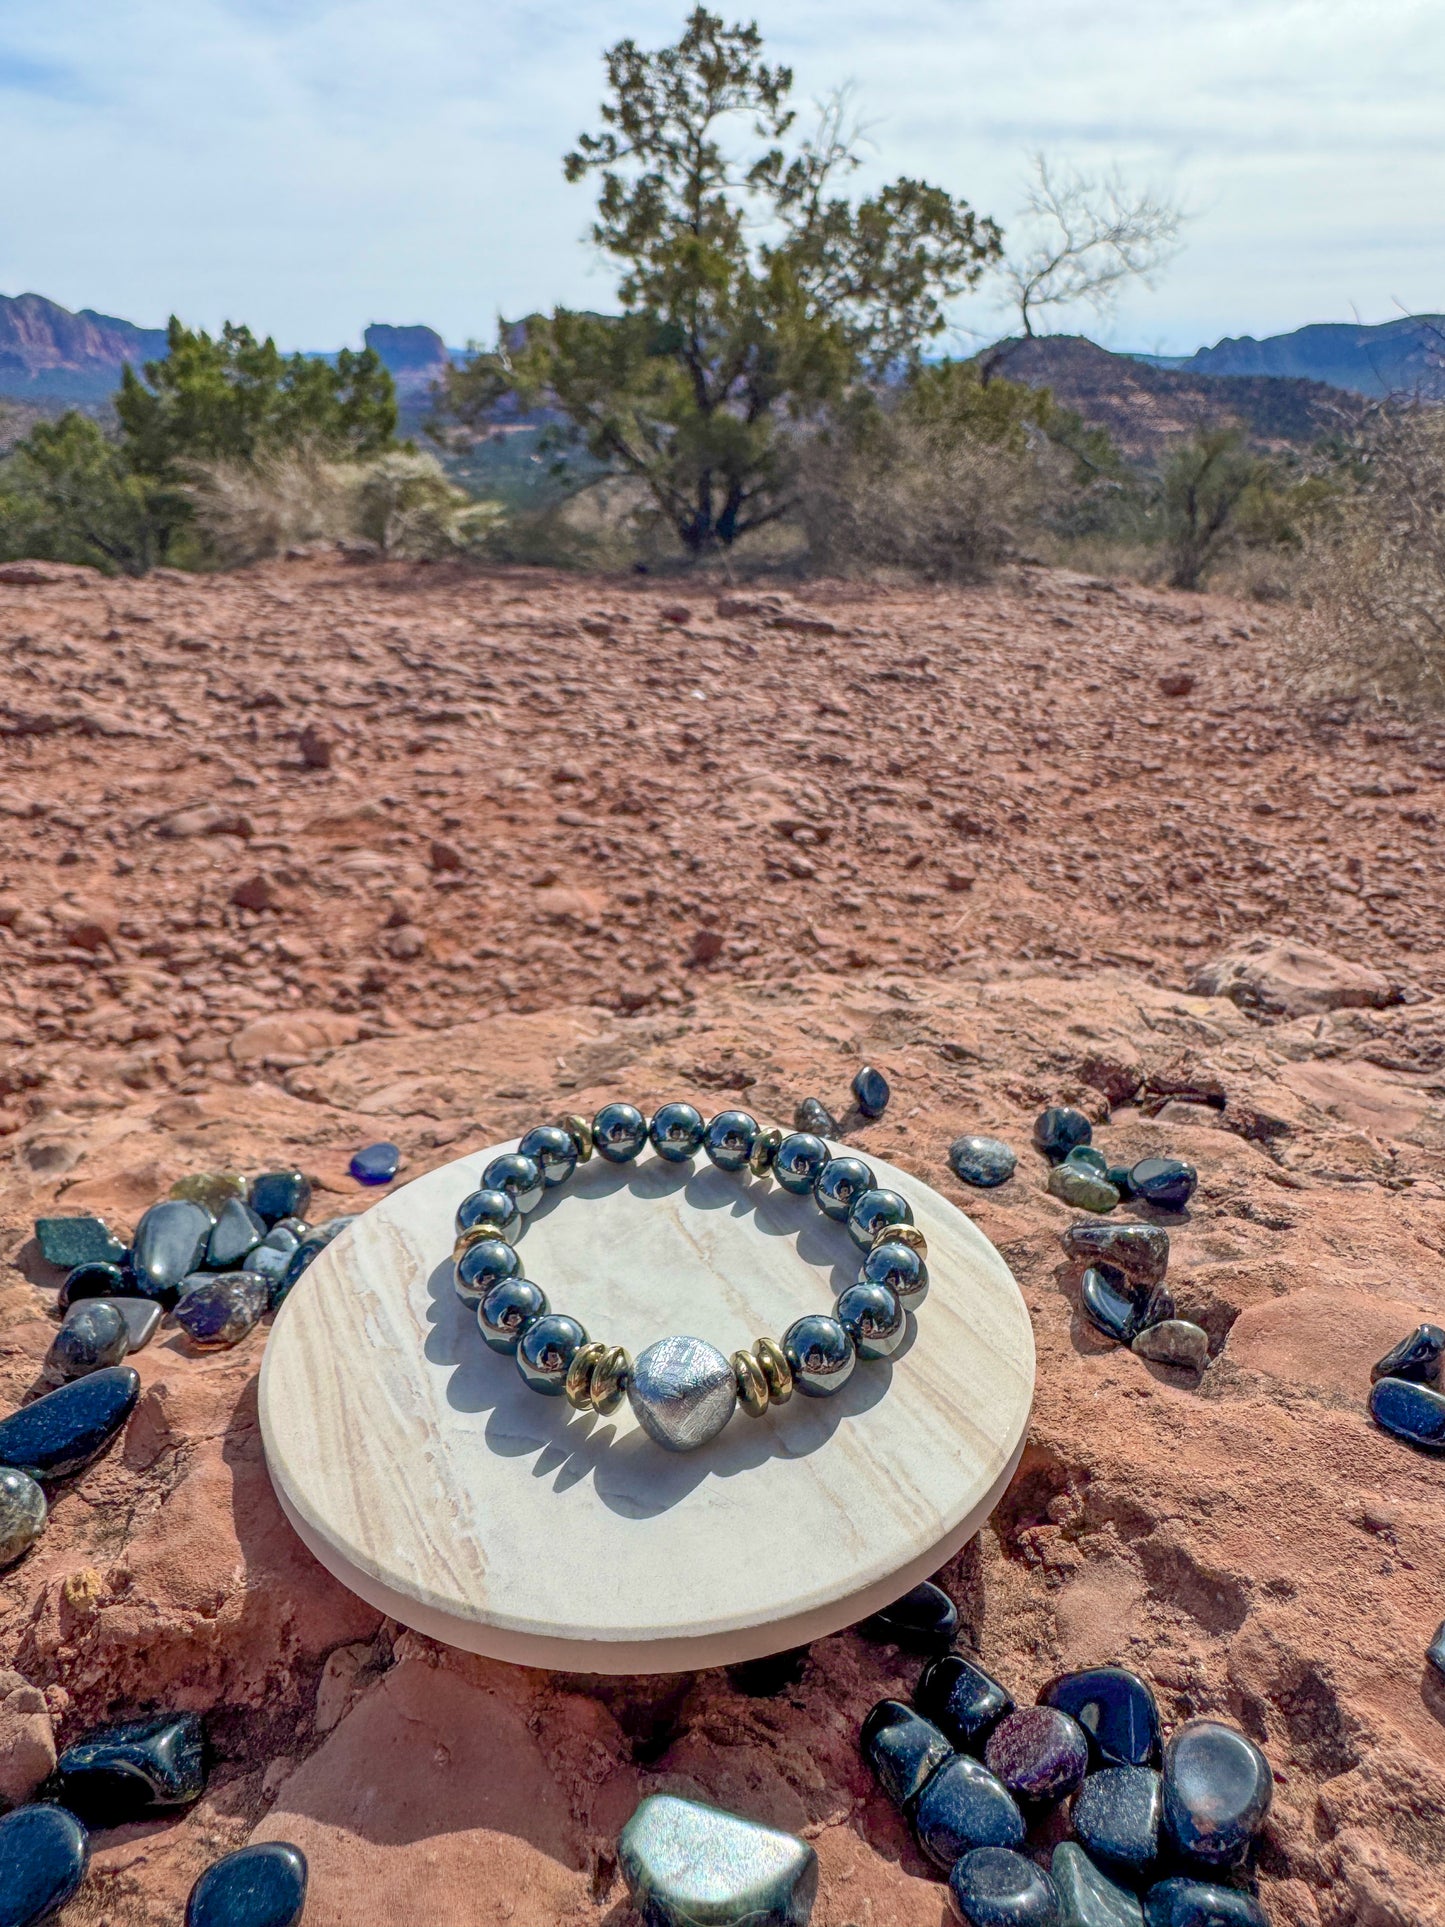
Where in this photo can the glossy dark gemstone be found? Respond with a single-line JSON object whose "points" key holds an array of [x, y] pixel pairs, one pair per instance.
{"points": [[1057, 1131], [260, 1886], [43, 1856], [870, 1087], [520, 1178], [1198, 1903], [982, 1161], [1435, 1651], [820, 1354], [272, 1257], [307, 1252], [962, 1700], [1217, 1790], [553, 1149], [763, 1679], [496, 1208], [801, 1156], [729, 1139], [872, 1211], [924, 1620], [280, 1194], [619, 1133], [901, 1268], [23, 1513], [1115, 1708], [838, 1183], [119, 1773], [1082, 1186], [1140, 1251], [1118, 1176], [1174, 1341], [375, 1163], [1412, 1412], [548, 1346], [1116, 1818], [483, 1265], [68, 1242], [222, 1309], [93, 1336], [962, 1807], [1088, 1897], [1416, 1357], [1087, 1157], [1166, 1183], [903, 1749], [238, 1230], [170, 1243], [995, 1887], [69, 1427], [1038, 1752], [1108, 1302], [140, 1316], [676, 1131], [509, 1308], [813, 1117], [874, 1318], [95, 1281]]}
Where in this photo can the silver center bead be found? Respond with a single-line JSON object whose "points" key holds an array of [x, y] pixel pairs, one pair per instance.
{"points": [[683, 1392]]}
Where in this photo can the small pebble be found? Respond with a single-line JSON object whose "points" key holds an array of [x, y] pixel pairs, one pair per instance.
{"points": [[982, 1161], [68, 1242], [922, 1621], [93, 1336], [1412, 1412], [259, 1886], [1058, 1130], [1087, 1897], [963, 1701], [964, 1806], [122, 1772], [309, 1249], [870, 1087], [1038, 1752], [903, 1749], [1108, 1303], [1140, 1251], [375, 1164], [236, 1231], [141, 1317], [23, 1513], [1166, 1183], [690, 1865], [212, 1190], [1174, 1341], [1195, 1903], [1217, 1792], [1435, 1651], [813, 1115], [95, 1280], [280, 1194], [67, 1428], [170, 1243], [271, 1259], [1082, 1187], [1118, 1176], [1116, 1817], [222, 1308], [1416, 1357], [995, 1887], [43, 1855], [1117, 1711]]}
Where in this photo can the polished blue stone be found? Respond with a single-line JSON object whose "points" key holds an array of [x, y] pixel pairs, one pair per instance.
{"points": [[870, 1087], [1198, 1903], [1116, 1818], [1109, 1303], [962, 1807], [509, 1309], [996, 1887], [1087, 1896], [93, 1336], [43, 1856], [486, 1206], [280, 1194], [521, 1178], [1416, 1357], [271, 1258], [553, 1149], [904, 1749], [838, 1183], [820, 1354], [68, 1242], [1166, 1183], [1116, 1710], [801, 1156], [619, 1133], [901, 1268], [260, 1886], [120, 1773], [812, 1118], [237, 1231], [923, 1620], [871, 1211], [962, 1700], [1140, 1251], [982, 1161], [729, 1139], [67, 1428], [23, 1513], [1414, 1413], [1058, 1130], [308, 1251], [1217, 1792], [222, 1309], [548, 1346], [95, 1281], [676, 1132], [874, 1318], [483, 1265], [170, 1243], [375, 1163]]}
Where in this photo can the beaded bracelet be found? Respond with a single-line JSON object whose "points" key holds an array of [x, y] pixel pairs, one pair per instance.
{"points": [[683, 1390]]}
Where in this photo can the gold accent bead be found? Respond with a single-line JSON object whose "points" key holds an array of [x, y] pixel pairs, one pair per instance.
{"points": [[578, 1385], [474, 1235], [773, 1363], [609, 1381], [752, 1386], [764, 1152], [580, 1132], [901, 1234]]}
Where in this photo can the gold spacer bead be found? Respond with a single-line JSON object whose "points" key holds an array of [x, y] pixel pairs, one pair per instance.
{"points": [[580, 1132], [752, 1386], [773, 1363], [764, 1152], [901, 1234], [578, 1384], [609, 1381], [474, 1235]]}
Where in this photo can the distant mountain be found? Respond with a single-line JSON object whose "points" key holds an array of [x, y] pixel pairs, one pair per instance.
{"points": [[1405, 357]]}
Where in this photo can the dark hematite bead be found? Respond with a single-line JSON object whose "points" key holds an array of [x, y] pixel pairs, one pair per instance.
{"points": [[120, 1773], [1197, 1903], [510, 1307], [619, 1132], [69, 1242], [23, 1513], [1416, 1358], [962, 1700], [1116, 1817], [1166, 1183], [483, 1265], [962, 1807], [280, 1194], [95, 1281], [547, 1348], [1140, 1251], [259, 1886], [1038, 1752], [763, 1679], [1087, 1897], [375, 1163], [924, 1620], [552, 1149], [497, 1208], [520, 1178], [901, 1268], [1116, 1710], [1058, 1130], [1217, 1790], [676, 1132], [93, 1336], [801, 1156], [1108, 1302], [69, 1427], [820, 1355], [996, 1887], [237, 1231], [982, 1161], [170, 1242], [813, 1117], [903, 1749], [729, 1140], [222, 1309], [1412, 1412], [307, 1252], [874, 1318], [838, 1183], [871, 1211], [43, 1856], [870, 1087]]}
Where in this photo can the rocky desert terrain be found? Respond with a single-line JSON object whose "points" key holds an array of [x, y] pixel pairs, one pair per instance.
{"points": [[332, 851]]}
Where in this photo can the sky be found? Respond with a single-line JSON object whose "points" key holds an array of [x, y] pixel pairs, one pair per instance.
{"points": [[309, 166]]}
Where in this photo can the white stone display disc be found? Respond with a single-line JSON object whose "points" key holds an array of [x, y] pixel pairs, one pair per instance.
{"points": [[429, 1479]]}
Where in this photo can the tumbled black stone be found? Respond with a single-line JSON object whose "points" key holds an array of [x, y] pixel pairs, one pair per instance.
{"points": [[982, 1161], [260, 1886], [222, 1309], [995, 1887], [1116, 1710], [43, 1855], [1198, 1903], [238, 1230], [1108, 1302], [68, 1242], [1416, 1357], [1118, 1176], [903, 1749], [280, 1194], [870, 1087], [1116, 1818], [1411, 1412], [140, 1317], [1217, 1790], [1058, 1130], [93, 1336], [170, 1243], [812, 1114], [1038, 1752], [23, 1513], [271, 1259], [964, 1806], [1088, 1157], [95, 1281], [924, 1620], [1140, 1251], [1435, 1651], [963, 1701], [309, 1249], [69, 1427], [1087, 1896], [119, 1773], [763, 1679], [1166, 1183]]}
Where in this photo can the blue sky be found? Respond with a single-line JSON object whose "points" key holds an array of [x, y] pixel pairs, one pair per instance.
{"points": [[312, 165]]}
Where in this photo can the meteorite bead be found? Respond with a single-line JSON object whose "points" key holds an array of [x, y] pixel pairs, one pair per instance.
{"points": [[730, 1138], [609, 1381], [752, 1386], [619, 1132], [548, 1347], [764, 1153], [521, 1178], [508, 1310], [580, 1132], [820, 1355], [873, 1318], [553, 1148], [484, 1264], [872, 1212], [578, 1383], [773, 1363], [676, 1132], [496, 1210], [839, 1182], [801, 1156], [899, 1267]]}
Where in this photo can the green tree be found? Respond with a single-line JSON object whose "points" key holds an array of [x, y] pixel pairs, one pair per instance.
{"points": [[67, 494], [1212, 488], [752, 290]]}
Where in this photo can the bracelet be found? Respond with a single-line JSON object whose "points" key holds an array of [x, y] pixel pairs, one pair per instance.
{"points": [[683, 1390]]}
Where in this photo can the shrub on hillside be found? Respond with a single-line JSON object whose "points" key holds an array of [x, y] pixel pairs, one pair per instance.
{"points": [[67, 495]]}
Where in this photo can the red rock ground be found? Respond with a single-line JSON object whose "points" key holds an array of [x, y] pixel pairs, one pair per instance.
{"points": [[323, 852]]}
